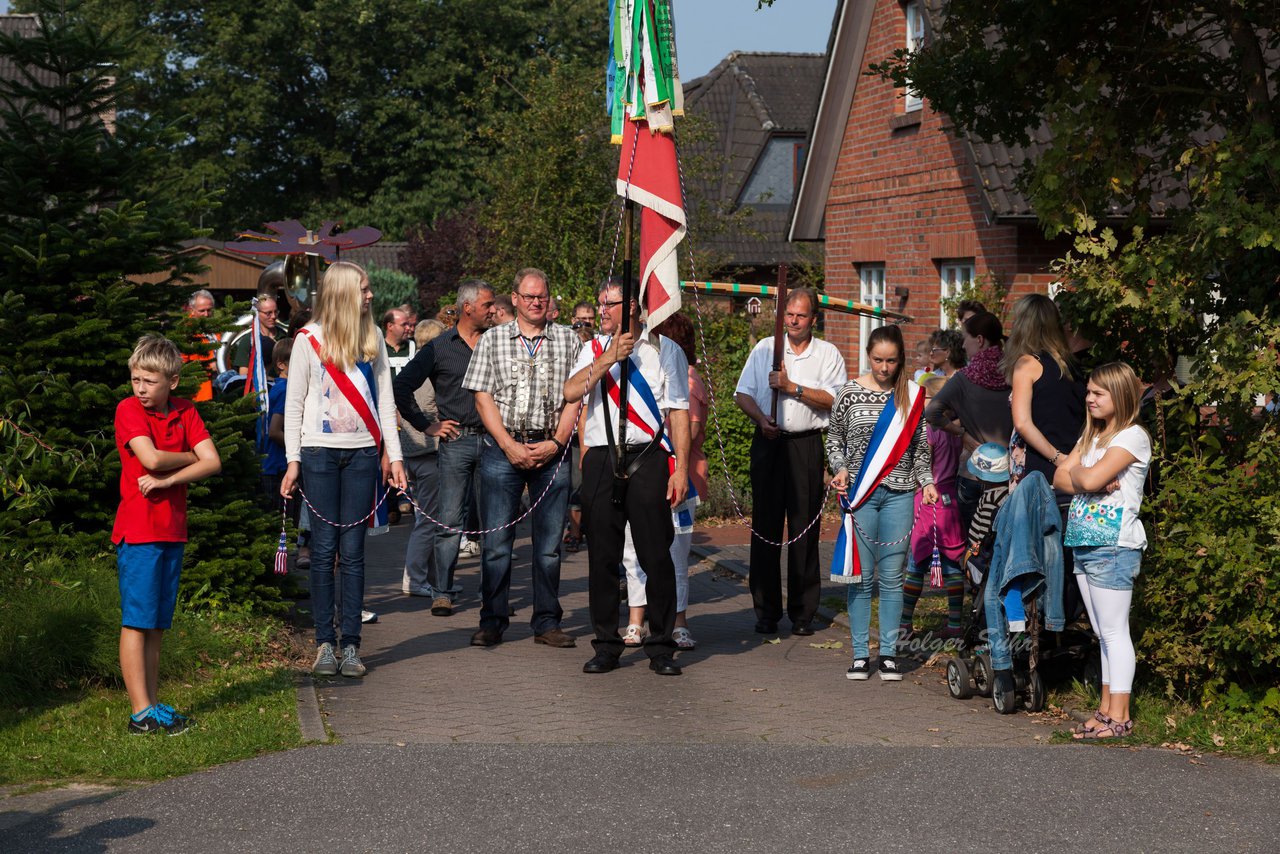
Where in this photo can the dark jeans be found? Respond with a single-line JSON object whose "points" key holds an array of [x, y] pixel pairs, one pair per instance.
{"points": [[646, 508], [420, 555], [458, 460], [499, 506], [340, 485], [786, 483]]}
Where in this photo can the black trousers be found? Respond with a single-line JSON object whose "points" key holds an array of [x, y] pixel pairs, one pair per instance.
{"points": [[786, 484], [647, 510]]}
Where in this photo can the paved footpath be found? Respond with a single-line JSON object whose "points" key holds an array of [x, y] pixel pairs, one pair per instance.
{"points": [[758, 747]]}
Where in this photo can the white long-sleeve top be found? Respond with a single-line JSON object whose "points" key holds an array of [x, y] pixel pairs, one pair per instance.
{"points": [[317, 414]]}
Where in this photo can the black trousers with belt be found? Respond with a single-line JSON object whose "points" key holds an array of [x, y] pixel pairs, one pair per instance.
{"points": [[604, 523], [786, 484]]}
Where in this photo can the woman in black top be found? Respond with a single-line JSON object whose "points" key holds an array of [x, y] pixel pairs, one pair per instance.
{"points": [[1048, 390]]}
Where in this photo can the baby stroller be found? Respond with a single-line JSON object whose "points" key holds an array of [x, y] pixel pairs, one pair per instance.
{"points": [[1036, 653]]}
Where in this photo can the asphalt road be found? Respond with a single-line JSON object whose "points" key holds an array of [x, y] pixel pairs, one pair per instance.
{"points": [[488, 798]]}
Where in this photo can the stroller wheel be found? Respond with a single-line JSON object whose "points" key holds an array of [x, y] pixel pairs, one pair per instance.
{"points": [[982, 675], [958, 679], [1004, 693], [1035, 692]]}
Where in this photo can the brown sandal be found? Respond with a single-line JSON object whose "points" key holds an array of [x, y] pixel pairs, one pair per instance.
{"points": [[1116, 730], [1084, 727]]}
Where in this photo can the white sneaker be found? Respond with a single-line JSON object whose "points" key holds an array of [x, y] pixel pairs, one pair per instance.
{"points": [[368, 617], [326, 664], [352, 666], [469, 548]]}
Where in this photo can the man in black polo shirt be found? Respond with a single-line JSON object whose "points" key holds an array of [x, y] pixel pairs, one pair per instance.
{"points": [[444, 361]]}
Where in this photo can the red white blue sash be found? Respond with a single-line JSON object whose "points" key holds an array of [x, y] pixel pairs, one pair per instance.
{"points": [[360, 388], [889, 441], [648, 420]]}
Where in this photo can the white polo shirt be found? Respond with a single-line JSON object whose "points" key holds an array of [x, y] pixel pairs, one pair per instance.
{"points": [[664, 368], [820, 366]]}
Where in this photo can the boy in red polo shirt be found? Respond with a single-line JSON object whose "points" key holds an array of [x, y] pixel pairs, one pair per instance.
{"points": [[163, 446]]}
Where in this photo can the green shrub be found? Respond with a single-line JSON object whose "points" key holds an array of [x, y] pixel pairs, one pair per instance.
{"points": [[60, 628], [391, 289], [1207, 607], [723, 343]]}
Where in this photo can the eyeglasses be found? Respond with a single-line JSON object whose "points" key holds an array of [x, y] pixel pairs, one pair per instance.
{"points": [[532, 299], [939, 349], [268, 313], [608, 303]]}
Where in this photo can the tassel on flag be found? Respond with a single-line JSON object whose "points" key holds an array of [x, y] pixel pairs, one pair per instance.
{"points": [[282, 550], [935, 565]]}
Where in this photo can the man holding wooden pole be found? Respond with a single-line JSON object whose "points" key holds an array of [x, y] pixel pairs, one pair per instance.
{"points": [[787, 461]]}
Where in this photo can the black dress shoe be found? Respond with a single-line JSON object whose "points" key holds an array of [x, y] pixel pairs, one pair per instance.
{"points": [[665, 665], [486, 637], [766, 627], [803, 628], [602, 662]]}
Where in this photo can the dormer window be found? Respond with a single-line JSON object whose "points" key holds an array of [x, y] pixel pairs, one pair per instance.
{"points": [[776, 174], [915, 41]]}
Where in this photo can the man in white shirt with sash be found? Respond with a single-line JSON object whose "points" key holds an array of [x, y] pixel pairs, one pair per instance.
{"points": [[787, 462], [657, 474]]}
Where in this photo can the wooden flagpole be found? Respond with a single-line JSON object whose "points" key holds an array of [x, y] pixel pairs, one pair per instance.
{"points": [[779, 336]]}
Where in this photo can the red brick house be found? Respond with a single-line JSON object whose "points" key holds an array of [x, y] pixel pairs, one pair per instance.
{"points": [[909, 210]]}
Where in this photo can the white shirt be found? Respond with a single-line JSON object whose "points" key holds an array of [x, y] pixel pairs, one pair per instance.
{"points": [[317, 414], [1128, 498], [664, 368], [820, 366]]}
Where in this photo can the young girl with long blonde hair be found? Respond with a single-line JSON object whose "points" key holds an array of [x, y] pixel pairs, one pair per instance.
{"points": [[339, 424], [1105, 473]]}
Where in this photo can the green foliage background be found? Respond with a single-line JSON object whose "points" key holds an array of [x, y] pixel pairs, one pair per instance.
{"points": [[81, 214]]}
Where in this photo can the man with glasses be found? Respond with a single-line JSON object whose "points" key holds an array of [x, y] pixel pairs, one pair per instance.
{"points": [[787, 462], [517, 374], [659, 395], [444, 362], [272, 331]]}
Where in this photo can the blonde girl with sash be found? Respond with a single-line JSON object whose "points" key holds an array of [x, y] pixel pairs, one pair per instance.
{"points": [[341, 436], [879, 455]]}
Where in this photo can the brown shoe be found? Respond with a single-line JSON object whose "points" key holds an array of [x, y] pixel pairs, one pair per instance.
{"points": [[486, 637], [557, 637], [442, 606]]}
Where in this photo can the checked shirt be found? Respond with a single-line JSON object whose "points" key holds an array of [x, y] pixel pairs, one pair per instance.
{"points": [[525, 376]]}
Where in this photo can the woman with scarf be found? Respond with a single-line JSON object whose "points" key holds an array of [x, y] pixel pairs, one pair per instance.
{"points": [[879, 455], [975, 404], [342, 439]]}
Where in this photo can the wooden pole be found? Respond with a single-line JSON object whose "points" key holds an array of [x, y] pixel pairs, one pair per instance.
{"points": [[628, 213], [779, 335]]}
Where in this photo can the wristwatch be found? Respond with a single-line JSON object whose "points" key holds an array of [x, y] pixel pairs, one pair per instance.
{"points": [[799, 391]]}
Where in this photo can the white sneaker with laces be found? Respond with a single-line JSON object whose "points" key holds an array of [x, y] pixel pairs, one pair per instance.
{"points": [[352, 666], [858, 671]]}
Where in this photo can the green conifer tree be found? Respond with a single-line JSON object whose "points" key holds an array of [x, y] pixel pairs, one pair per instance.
{"points": [[82, 218]]}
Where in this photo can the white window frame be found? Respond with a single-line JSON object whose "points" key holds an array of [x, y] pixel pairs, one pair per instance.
{"points": [[872, 292], [955, 276], [915, 40]]}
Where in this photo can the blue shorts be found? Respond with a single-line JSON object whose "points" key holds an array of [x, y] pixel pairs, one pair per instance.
{"points": [[1109, 567], [149, 574]]}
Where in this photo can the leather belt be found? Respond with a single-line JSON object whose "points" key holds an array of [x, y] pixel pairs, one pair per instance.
{"points": [[528, 437], [802, 433], [464, 430]]}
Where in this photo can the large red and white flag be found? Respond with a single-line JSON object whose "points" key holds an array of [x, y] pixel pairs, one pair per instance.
{"points": [[649, 175]]}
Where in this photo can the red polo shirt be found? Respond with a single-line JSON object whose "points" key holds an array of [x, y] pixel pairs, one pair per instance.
{"points": [[160, 517]]}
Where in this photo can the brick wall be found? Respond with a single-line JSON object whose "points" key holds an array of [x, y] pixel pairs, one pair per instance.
{"points": [[905, 195]]}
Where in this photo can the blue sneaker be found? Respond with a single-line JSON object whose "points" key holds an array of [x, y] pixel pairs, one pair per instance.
{"points": [[147, 724], [173, 723]]}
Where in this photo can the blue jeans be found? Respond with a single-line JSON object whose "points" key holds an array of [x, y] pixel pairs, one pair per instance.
{"points": [[420, 555], [1111, 567], [499, 505], [339, 483], [885, 516], [459, 460]]}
